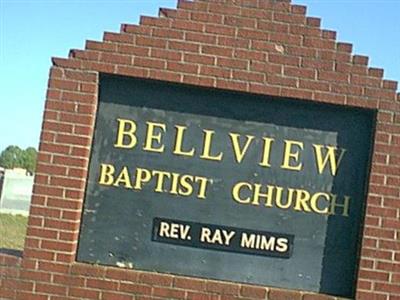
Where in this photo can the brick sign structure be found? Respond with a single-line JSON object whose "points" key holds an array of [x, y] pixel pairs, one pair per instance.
{"points": [[175, 167], [224, 150]]}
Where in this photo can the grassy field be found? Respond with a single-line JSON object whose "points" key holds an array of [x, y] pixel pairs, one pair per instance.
{"points": [[12, 231]]}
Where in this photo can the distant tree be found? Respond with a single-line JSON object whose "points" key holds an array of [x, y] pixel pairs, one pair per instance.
{"points": [[15, 157], [11, 157], [29, 159]]}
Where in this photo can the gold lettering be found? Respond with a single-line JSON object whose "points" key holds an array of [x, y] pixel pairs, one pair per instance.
{"points": [[208, 134], [180, 130], [186, 188], [202, 186], [345, 205], [302, 196], [257, 195], [266, 152], [160, 179], [236, 192], [123, 178], [174, 184], [314, 202], [329, 155], [238, 151], [126, 128], [289, 198], [142, 176], [151, 137], [106, 174], [294, 156]]}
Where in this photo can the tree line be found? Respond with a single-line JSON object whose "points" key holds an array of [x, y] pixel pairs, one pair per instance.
{"points": [[15, 157]]}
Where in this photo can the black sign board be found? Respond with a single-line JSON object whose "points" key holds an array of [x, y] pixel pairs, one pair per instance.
{"points": [[226, 185], [223, 238]]}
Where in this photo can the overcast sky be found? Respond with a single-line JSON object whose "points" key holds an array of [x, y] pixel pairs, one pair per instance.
{"points": [[32, 31]]}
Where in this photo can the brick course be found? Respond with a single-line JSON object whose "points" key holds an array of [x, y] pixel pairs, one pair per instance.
{"points": [[264, 47]]}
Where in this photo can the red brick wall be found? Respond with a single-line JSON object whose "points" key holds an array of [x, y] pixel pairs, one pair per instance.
{"points": [[266, 47], [9, 273]]}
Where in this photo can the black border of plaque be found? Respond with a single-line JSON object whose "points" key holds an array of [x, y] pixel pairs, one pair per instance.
{"points": [[115, 232]]}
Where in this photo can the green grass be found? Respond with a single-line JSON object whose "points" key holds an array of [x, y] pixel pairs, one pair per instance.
{"points": [[12, 231]]}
